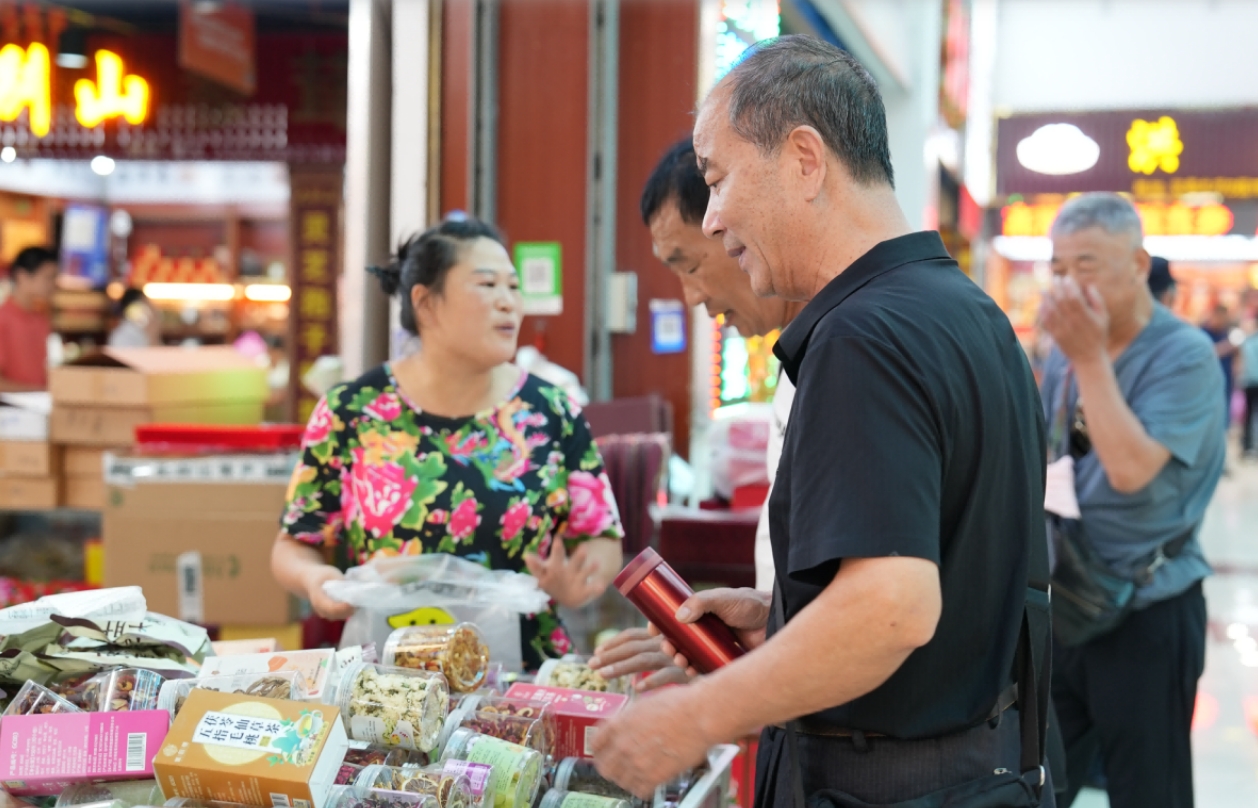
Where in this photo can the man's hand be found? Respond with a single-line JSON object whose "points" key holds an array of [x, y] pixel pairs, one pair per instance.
{"points": [[323, 604], [572, 581], [637, 650], [1077, 320], [643, 745], [746, 611]]}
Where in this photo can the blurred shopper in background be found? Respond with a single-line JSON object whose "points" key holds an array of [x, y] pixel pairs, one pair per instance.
{"points": [[1218, 326], [454, 449], [138, 322], [1162, 283], [25, 322], [673, 204], [1131, 394], [1249, 383]]}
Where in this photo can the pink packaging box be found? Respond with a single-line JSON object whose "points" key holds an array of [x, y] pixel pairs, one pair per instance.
{"points": [[42, 755], [577, 713]]}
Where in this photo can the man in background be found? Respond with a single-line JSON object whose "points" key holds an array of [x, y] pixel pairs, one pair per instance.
{"points": [[1218, 327], [138, 323], [25, 323], [1162, 283], [1133, 391]]}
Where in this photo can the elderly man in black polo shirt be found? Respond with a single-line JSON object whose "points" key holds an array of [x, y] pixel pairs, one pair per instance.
{"points": [[907, 517]]}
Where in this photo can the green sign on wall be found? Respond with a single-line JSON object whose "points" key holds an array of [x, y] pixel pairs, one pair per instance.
{"points": [[540, 265]]}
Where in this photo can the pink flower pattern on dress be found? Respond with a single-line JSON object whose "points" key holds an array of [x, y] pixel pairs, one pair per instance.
{"points": [[319, 427], [514, 520], [591, 513], [464, 520], [560, 641], [387, 407], [381, 494]]}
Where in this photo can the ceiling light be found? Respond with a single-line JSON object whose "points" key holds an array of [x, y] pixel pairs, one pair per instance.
{"points": [[1058, 148], [72, 61], [8, 154], [72, 49], [190, 291], [267, 292], [103, 165]]}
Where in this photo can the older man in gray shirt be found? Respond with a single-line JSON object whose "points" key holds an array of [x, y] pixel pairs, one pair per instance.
{"points": [[1135, 392]]}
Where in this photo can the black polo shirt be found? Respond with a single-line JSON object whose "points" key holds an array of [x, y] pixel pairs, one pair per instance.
{"points": [[916, 431]]}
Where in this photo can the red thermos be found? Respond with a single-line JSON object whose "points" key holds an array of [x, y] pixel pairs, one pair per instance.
{"points": [[658, 591]]}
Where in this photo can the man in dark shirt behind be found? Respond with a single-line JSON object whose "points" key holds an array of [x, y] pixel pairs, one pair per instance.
{"points": [[909, 497]]}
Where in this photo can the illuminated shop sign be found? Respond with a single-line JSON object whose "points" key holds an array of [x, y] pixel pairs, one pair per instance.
{"points": [[1159, 218], [26, 85], [1154, 145]]}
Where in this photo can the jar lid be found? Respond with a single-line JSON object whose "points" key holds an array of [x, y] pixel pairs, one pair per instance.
{"points": [[639, 568], [564, 772]]}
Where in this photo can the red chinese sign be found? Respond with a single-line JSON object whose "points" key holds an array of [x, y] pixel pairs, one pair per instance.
{"points": [[315, 205]]}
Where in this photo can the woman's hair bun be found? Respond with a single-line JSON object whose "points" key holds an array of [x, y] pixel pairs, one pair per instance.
{"points": [[390, 276]]}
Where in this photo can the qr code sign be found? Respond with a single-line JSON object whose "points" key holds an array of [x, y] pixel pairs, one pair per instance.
{"points": [[538, 276]]}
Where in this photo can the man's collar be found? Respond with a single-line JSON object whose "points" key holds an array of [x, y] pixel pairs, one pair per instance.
{"points": [[883, 257]]}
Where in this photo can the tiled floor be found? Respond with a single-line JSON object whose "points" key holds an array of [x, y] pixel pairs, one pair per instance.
{"points": [[1225, 739]]}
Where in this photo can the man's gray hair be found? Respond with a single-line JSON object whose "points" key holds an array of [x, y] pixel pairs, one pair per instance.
{"points": [[798, 80], [1110, 212]]}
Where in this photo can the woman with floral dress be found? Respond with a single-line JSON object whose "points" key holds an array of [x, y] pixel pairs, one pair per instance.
{"points": [[393, 464]]}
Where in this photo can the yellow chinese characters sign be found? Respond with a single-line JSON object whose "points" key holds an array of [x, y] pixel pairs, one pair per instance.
{"points": [[1154, 145], [26, 84], [315, 201], [1159, 218]]}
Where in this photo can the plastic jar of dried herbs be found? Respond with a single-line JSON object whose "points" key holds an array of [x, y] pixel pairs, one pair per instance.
{"points": [[522, 721], [517, 770], [359, 797], [35, 699], [459, 653], [478, 776], [394, 707], [580, 775], [573, 673], [571, 799], [189, 802], [452, 789], [128, 793]]}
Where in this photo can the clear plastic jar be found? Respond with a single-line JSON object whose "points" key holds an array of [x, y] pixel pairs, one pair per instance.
{"points": [[189, 802], [128, 793], [289, 685], [359, 797], [571, 799], [35, 699], [459, 653], [451, 789], [517, 770], [580, 775], [574, 673], [112, 691], [393, 707], [520, 721], [479, 778]]}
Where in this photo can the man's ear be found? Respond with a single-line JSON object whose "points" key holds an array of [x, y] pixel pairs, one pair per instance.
{"points": [[805, 153]]}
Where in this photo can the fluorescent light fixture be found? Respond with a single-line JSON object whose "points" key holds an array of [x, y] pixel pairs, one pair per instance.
{"points": [[103, 165], [8, 154], [1058, 148], [267, 292], [1233, 249], [72, 61], [190, 291]]}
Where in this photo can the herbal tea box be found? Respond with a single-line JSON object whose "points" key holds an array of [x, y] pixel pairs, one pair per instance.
{"points": [[42, 755], [232, 747], [577, 713]]}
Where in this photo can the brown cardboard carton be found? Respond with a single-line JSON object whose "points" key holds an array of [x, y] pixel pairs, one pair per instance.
{"points": [[232, 526], [150, 377], [29, 493], [112, 426], [84, 491], [87, 461], [232, 747], [29, 458]]}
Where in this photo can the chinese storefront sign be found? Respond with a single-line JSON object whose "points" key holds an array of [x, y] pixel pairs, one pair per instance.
{"points": [[315, 221], [1159, 218], [218, 42], [26, 85]]}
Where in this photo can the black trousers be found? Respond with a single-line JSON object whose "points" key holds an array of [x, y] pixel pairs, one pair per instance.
{"points": [[1251, 414], [887, 770], [1131, 694]]}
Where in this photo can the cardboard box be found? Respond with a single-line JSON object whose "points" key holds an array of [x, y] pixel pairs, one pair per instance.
{"points": [[577, 712], [314, 665], [24, 416], [228, 648], [236, 748], [230, 527], [42, 755], [29, 458], [159, 377], [87, 461], [85, 492], [29, 493], [111, 426]]}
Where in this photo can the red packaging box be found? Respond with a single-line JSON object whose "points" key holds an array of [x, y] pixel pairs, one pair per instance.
{"points": [[42, 755], [577, 712]]}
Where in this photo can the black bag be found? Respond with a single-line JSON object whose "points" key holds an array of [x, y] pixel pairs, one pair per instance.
{"points": [[998, 790]]}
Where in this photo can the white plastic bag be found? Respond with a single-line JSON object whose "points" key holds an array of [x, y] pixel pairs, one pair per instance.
{"points": [[391, 593], [739, 441]]}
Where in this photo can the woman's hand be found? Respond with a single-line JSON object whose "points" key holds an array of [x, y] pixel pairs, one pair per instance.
{"points": [[571, 580], [324, 604], [633, 651]]}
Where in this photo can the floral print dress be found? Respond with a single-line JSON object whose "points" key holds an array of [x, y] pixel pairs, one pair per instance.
{"points": [[379, 477]]}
